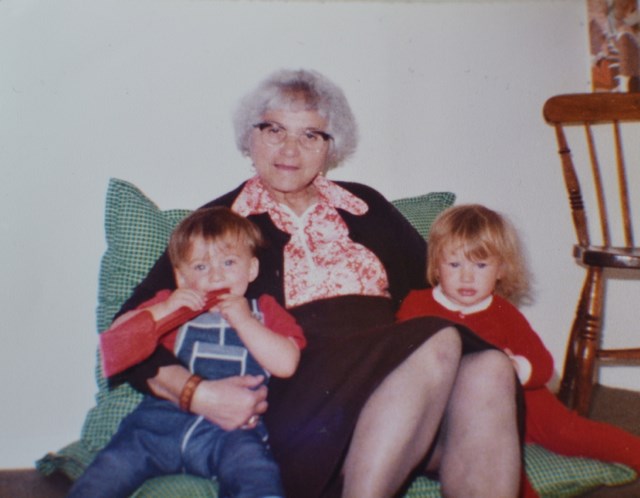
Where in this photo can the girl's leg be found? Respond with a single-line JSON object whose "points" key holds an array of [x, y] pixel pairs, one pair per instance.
{"points": [[526, 489], [479, 451], [552, 425], [398, 423]]}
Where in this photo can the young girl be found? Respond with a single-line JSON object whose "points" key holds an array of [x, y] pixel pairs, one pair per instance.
{"points": [[477, 270]]}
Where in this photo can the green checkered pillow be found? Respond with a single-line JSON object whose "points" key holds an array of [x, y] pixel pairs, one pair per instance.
{"points": [[177, 486], [423, 209], [555, 476], [137, 232], [552, 476]]}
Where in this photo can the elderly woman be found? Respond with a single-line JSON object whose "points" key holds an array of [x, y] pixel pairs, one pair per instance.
{"points": [[372, 400]]}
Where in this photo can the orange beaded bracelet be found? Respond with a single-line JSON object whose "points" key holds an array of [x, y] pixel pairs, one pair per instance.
{"points": [[188, 390]]}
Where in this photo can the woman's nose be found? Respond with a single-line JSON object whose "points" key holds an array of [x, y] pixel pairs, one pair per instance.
{"points": [[290, 146]]}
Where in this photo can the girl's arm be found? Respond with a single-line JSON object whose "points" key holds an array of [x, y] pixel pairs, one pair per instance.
{"points": [[524, 342]]}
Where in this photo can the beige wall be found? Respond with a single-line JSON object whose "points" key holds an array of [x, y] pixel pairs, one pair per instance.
{"points": [[448, 96]]}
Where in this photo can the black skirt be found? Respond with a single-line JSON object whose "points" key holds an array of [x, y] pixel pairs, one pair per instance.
{"points": [[353, 344]]}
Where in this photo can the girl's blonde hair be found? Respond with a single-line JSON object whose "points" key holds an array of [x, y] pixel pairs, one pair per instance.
{"points": [[481, 233]]}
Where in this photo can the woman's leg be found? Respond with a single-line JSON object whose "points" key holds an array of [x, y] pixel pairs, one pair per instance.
{"points": [[479, 451], [398, 423]]}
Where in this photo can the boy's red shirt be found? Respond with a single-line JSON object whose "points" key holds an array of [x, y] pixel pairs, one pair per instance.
{"points": [[136, 338]]}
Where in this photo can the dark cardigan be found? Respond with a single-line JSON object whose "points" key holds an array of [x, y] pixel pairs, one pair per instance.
{"points": [[383, 230]]}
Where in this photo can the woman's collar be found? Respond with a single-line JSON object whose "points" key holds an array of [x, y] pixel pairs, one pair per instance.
{"points": [[255, 198], [339, 197]]}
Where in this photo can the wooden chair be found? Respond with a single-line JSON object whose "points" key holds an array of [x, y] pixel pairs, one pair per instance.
{"points": [[604, 118]]}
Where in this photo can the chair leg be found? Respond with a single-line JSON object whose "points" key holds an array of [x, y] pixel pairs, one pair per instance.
{"points": [[571, 362], [577, 380], [568, 381]]}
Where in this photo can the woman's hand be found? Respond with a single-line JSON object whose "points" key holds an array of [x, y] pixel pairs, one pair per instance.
{"points": [[231, 403]]}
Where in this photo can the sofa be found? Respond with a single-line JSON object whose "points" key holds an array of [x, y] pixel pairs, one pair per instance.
{"points": [[136, 233]]}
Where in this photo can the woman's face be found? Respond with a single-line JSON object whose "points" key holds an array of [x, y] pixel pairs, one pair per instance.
{"points": [[290, 167]]}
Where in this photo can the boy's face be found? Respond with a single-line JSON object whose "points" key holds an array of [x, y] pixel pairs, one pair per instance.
{"points": [[213, 265], [467, 282]]}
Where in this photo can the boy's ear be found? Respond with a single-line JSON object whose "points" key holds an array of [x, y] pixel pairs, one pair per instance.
{"points": [[180, 281], [254, 269]]}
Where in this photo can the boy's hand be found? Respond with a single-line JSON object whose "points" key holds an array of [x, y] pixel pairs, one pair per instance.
{"points": [[180, 298], [167, 321], [234, 309], [190, 298]]}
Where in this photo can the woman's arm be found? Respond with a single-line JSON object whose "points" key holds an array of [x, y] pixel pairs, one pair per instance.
{"points": [[228, 402], [392, 238]]}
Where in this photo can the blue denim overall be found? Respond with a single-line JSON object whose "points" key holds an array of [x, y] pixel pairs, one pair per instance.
{"points": [[158, 438]]}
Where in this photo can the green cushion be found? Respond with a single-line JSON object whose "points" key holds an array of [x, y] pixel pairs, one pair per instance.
{"points": [[137, 232], [177, 486], [555, 476], [423, 209]]}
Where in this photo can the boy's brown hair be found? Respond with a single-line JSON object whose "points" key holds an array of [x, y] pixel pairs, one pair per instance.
{"points": [[213, 224], [480, 233]]}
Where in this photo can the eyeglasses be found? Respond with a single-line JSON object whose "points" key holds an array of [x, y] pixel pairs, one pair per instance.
{"points": [[273, 134]]}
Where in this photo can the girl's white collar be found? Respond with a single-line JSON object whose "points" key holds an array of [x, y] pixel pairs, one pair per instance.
{"points": [[444, 301]]}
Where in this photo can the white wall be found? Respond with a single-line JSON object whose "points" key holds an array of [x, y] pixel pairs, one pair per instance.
{"points": [[448, 96]]}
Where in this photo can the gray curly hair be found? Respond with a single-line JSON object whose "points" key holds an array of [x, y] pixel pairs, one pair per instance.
{"points": [[291, 89]]}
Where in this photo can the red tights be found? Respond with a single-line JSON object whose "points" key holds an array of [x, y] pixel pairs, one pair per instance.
{"points": [[551, 425]]}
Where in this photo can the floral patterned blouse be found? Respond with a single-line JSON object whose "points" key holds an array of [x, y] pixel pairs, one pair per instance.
{"points": [[320, 260]]}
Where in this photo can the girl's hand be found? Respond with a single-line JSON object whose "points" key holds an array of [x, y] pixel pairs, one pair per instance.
{"points": [[521, 365]]}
